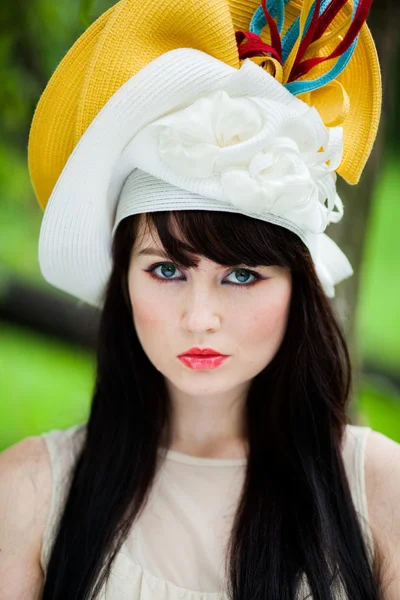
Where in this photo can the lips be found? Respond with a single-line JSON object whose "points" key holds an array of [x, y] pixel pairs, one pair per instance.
{"points": [[201, 352], [200, 362]]}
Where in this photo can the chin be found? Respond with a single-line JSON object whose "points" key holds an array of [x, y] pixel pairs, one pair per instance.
{"points": [[204, 383]]}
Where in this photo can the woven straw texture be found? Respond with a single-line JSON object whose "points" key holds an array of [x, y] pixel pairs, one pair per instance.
{"points": [[133, 33]]}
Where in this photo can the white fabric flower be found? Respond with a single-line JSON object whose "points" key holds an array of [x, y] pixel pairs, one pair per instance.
{"points": [[270, 157]]}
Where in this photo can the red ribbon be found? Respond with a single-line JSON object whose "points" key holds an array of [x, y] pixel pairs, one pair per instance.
{"points": [[309, 37], [360, 17], [319, 23], [275, 37], [327, 17], [255, 45]]}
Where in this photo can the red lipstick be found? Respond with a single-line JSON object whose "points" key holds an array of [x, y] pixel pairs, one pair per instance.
{"points": [[202, 358], [202, 352]]}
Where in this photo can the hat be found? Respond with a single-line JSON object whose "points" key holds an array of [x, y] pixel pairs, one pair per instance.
{"points": [[222, 105]]}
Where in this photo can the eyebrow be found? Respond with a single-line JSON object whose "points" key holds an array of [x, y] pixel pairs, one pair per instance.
{"points": [[152, 252]]}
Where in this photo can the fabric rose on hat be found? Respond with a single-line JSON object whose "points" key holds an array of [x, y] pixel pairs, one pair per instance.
{"points": [[269, 157]]}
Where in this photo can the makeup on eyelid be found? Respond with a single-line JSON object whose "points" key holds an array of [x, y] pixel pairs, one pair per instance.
{"points": [[257, 277]]}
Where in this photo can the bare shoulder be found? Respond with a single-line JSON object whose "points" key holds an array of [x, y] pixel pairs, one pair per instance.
{"points": [[382, 481], [25, 495]]}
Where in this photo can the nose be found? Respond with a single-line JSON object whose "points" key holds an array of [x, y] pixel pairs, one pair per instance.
{"points": [[200, 312]]}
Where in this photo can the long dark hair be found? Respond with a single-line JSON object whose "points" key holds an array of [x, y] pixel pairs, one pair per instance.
{"points": [[295, 515]]}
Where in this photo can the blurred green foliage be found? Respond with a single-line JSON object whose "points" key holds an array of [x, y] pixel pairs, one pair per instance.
{"points": [[47, 385], [380, 408], [378, 316], [34, 37]]}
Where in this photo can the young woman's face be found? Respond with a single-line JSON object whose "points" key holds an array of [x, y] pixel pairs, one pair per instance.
{"points": [[226, 309]]}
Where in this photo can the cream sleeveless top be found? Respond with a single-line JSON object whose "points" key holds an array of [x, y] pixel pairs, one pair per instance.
{"points": [[176, 548]]}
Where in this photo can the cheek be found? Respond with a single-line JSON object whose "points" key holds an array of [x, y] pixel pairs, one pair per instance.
{"points": [[264, 325], [148, 327], [146, 312], [151, 316], [272, 317]]}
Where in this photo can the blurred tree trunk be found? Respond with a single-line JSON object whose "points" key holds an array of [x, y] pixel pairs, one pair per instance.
{"points": [[350, 233]]}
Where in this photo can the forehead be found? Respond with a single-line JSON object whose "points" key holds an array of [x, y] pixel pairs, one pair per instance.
{"points": [[148, 243], [147, 235]]}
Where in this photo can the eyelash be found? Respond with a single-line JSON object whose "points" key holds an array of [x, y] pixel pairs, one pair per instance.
{"points": [[151, 270]]}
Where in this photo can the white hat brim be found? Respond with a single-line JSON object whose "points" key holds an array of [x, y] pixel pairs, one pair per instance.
{"points": [[77, 227]]}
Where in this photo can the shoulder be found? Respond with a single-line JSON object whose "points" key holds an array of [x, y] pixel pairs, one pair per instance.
{"points": [[25, 494], [382, 480], [25, 481]]}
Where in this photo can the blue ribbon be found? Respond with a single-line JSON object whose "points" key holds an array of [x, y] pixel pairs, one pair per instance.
{"points": [[276, 8]]}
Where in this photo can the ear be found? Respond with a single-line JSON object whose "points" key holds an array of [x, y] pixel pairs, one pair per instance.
{"points": [[382, 477]]}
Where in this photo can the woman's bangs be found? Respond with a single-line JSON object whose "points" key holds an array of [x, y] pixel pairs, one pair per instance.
{"points": [[225, 238]]}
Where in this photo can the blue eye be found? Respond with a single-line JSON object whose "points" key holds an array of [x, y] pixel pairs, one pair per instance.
{"points": [[245, 273], [168, 269]]}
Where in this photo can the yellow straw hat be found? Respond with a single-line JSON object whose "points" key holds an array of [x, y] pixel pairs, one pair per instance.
{"points": [[131, 34], [214, 105]]}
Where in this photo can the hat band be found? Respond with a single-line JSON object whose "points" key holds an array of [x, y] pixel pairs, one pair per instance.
{"points": [[144, 193]]}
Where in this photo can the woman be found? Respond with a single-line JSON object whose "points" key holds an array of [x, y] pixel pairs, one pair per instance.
{"points": [[188, 199]]}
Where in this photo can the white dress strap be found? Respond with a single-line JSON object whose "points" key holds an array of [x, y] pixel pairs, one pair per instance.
{"points": [[354, 458]]}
